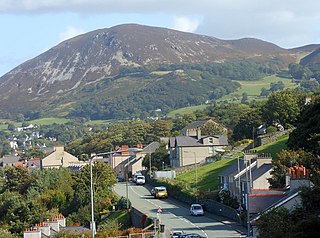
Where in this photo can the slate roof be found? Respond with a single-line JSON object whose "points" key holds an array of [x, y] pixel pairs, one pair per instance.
{"points": [[260, 202], [10, 159], [151, 148], [233, 168], [187, 141], [258, 172]]}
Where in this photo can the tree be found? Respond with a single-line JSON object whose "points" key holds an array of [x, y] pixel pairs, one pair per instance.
{"points": [[18, 179], [289, 158], [16, 213], [159, 158], [307, 133], [103, 178], [244, 129], [53, 188], [244, 98], [212, 128], [283, 107], [275, 223]]}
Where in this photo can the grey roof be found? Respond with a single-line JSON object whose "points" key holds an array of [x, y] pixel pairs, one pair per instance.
{"points": [[186, 141], [259, 203], [151, 148], [10, 159], [257, 173], [233, 168]]}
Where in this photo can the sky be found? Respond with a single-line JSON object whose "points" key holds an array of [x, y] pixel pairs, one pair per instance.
{"points": [[31, 27]]}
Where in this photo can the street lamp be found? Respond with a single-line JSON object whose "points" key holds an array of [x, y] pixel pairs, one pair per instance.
{"points": [[93, 227]]}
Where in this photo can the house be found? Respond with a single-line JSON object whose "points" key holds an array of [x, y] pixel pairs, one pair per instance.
{"points": [[246, 175], [58, 158], [187, 150], [288, 197], [10, 160], [192, 129], [128, 161], [48, 228]]}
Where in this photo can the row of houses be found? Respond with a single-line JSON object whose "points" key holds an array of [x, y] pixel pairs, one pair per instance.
{"points": [[247, 180]]}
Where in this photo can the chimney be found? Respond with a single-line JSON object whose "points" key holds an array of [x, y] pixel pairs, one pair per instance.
{"points": [[44, 228], [299, 177], [125, 149], [263, 159], [198, 133], [54, 225], [61, 219], [33, 232]]}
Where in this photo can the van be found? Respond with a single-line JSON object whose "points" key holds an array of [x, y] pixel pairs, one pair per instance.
{"points": [[160, 192], [140, 180]]}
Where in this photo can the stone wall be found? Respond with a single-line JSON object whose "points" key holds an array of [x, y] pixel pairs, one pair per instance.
{"points": [[222, 210], [139, 219], [268, 138]]}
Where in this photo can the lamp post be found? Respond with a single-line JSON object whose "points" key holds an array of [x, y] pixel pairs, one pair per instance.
{"points": [[248, 191], [93, 228]]}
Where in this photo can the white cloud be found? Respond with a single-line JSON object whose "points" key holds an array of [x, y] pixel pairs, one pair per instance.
{"points": [[70, 32], [185, 24]]}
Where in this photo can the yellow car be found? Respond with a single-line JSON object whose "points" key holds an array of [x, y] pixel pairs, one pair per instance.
{"points": [[159, 192]]}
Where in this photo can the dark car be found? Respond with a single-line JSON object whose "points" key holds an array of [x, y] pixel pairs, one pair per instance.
{"points": [[193, 235]]}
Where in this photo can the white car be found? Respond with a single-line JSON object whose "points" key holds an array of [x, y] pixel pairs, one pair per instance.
{"points": [[196, 210], [176, 233], [140, 180]]}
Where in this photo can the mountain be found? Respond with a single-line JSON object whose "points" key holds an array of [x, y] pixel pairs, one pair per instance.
{"points": [[312, 61], [89, 65]]}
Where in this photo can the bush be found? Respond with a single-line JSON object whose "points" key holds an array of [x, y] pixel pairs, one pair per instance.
{"points": [[271, 129], [122, 204]]}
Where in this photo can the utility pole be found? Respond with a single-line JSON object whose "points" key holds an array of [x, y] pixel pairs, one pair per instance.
{"points": [[91, 194], [248, 188]]}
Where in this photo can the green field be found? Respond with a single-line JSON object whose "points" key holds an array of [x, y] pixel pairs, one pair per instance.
{"points": [[41, 121], [274, 147], [207, 175], [252, 88]]}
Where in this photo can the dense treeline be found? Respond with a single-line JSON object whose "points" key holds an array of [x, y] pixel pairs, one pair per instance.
{"points": [[29, 198], [178, 86]]}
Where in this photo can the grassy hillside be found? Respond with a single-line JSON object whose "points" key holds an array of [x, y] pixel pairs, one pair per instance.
{"points": [[274, 147], [252, 88], [208, 174], [41, 121]]}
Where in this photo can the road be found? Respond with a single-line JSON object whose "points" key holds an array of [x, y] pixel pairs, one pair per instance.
{"points": [[175, 215]]}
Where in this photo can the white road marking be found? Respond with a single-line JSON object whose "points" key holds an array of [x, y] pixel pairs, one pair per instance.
{"points": [[181, 218]]}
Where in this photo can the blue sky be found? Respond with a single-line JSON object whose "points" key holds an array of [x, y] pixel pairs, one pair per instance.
{"points": [[30, 27]]}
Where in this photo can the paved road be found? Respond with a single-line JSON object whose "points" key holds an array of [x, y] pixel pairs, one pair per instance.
{"points": [[175, 215]]}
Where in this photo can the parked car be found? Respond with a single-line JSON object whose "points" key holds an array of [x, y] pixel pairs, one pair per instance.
{"points": [[140, 180], [193, 235], [196, 210], [176, 233]]}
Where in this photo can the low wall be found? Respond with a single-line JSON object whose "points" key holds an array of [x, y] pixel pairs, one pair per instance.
{"points": [[221, 210], [139, 219]]}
